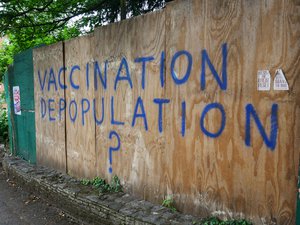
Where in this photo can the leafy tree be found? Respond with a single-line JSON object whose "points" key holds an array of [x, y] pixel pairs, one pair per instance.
{"points": [[44, 17], [15, 42], [28, 23], [6, 57]]}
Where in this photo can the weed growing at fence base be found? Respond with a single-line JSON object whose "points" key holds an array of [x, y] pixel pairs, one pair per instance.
{"points": [[217, 221], [169, 203], [103, 187]]}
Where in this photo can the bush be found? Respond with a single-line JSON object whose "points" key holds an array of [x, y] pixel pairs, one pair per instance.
{"points": [[3, 122], [3, 126]]}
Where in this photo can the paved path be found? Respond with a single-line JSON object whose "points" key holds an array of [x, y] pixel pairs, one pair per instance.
{"points": [[18, 207]]}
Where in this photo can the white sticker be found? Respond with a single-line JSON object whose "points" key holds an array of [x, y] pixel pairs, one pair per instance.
{"points": [[280, 82], [263, 80], [17, 100]]}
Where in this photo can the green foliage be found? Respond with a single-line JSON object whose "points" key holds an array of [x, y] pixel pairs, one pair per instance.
{"points": [[3, 122], [115, 185], [217, 221], [169, 203], [32, 17], [15, 43], [102, 186], [85, 182], [29, 23], [6, 57]]}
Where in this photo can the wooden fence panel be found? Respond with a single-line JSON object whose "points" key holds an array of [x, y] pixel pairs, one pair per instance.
{"points": [[50, 124], [80, 126], [225, 173], [139, 161]]}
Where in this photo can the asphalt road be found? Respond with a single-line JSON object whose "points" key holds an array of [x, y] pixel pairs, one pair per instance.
{"points": [[19, 207]]}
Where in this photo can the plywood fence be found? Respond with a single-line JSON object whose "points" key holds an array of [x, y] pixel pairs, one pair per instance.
{"points": [[170, 103]]}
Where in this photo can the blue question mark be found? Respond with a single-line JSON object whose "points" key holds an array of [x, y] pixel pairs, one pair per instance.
{"points": [[112, 149]]}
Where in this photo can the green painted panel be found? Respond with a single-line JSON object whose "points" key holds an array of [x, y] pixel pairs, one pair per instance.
{"points": [[23, 74], [23, 125], [26, 136]]}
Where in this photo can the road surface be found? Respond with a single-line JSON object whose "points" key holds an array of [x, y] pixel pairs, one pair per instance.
{"points": [[19, 207]]}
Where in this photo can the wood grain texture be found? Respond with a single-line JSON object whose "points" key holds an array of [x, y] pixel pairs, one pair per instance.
{"points": [[80, 133], [223, 172], [204, 174], [50, 135], [141, 151]]}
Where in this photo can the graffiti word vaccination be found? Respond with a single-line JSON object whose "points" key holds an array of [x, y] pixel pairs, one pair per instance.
{"points": [[50, 79]]}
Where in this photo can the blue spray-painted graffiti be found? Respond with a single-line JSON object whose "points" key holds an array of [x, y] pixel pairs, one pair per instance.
{"points": [[113, 149], [223, 122], [52, 80], [139, 104], [160, 103], [189, 57], [251, 112], [84, 106], [102, 76], [144, 60], [51, 109], [74, 86], [183, 120], [112, 113], [206, 60], [62, 107], [60, 72], [119, 76]]}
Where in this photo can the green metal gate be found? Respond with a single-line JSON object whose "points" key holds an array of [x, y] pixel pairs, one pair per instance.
{"points": [[22, 126]]}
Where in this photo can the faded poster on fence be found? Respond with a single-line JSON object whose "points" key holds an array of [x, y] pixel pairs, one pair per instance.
{"points": [[17, 100]]}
